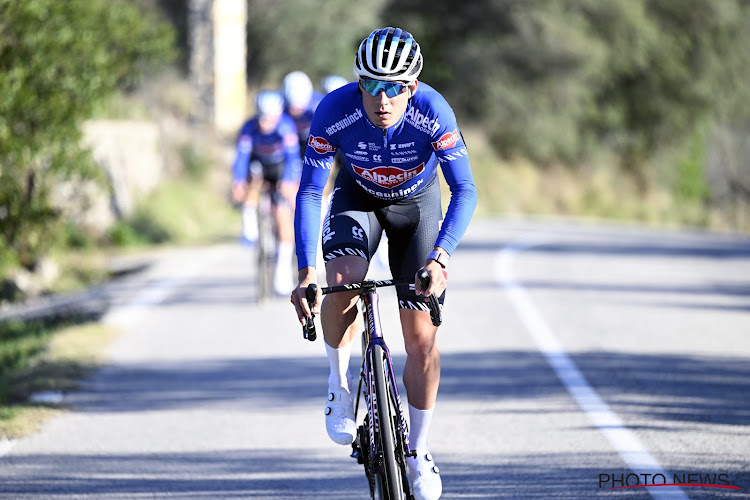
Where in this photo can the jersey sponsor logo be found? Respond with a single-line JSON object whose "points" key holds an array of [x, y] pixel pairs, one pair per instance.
{"points": [[268, 149], [327, 232], [345, 122], [341, 252], [408, 159], [453, 156], [447, 141], [357, 155], [320, 145], [325, 163], [422, 122], [388, 177], [405, 152], [394, 195]]}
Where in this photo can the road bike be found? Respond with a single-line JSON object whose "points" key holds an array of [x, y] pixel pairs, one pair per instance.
{"points": [[382, 442], [270, 199], [267, 241]]}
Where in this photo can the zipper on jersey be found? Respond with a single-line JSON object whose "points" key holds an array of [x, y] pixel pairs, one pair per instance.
{"points": [[385, 152]]}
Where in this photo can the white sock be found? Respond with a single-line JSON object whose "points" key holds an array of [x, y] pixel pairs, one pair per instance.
{"points": [[283, 280], [338, 359], [250, 222], [419, 427], [284, 255]]}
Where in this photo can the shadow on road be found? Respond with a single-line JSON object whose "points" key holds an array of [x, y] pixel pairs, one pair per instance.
{"points": [[662, 387], [298, 474], [275, 474]]}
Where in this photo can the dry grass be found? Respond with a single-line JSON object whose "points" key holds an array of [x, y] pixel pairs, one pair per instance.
{"points": [[70, 356], [599, 191]]}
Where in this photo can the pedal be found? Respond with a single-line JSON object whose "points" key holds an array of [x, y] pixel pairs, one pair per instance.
{"points": [[357, 455], [357, 452]]}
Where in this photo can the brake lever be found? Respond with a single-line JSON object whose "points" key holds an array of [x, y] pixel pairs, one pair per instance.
{"points": [[435, 314], [308, 329]]}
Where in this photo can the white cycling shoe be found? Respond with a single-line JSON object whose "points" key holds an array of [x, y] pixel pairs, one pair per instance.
{"points": [[339, 412], [424, 477]]}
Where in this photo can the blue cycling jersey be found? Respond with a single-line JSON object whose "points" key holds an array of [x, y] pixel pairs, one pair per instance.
{"points": [[388, 164], [273, 148]]}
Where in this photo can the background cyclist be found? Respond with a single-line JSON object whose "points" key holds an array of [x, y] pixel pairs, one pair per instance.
{"points": [[330, 83], [301, 100], [393, 132], [268, 152]]}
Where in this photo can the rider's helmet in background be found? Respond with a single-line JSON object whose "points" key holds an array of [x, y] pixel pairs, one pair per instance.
{"points": [[297, 89], [269, 103], [331, 82], [389, 54]]}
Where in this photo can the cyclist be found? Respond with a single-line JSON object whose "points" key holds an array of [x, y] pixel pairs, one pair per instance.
{"points": [[300, 103], [393, 132], [331, 82], [268, 153]]}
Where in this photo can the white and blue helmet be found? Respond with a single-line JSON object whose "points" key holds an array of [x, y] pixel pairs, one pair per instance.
{"points": [[389, 54], [269, 103], [332, 82], [297, 89]]}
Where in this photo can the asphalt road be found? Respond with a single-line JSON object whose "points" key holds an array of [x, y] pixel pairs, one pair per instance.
{"points": [[576, 358]]}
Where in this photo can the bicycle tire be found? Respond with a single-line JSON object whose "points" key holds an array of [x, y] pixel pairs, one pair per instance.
{"points": [[266, 253], [391, 480]]}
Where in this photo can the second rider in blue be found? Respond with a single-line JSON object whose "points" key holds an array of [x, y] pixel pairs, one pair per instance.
{"points": [[393, 133]]}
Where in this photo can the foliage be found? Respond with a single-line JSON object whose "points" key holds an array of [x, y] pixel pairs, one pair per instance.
{"points": [[318, 37], [57, 60], [555, 81]]}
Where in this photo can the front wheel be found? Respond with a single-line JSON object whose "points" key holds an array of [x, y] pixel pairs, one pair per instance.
{"points": [[388, 476], [266, 249]]}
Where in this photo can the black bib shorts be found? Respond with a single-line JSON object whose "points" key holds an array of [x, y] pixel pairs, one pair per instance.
{"points": [[356, 220]]}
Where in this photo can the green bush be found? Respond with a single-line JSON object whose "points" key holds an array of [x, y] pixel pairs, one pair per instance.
{"points": [[57, 61], [556, 80], [194, 163], [141, 229]]}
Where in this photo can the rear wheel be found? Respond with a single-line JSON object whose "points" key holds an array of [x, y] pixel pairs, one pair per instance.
{"points": [[388, 477]]}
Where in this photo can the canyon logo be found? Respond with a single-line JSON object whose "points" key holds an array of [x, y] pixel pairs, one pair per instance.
{"points": [[388, 177], [320, 145]]}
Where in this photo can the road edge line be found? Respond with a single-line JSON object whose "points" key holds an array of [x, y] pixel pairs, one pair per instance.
{"points": [[623, 440]]}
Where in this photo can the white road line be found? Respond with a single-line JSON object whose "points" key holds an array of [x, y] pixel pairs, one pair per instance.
{"points": [[5, 446], [622, 439], [128, 315]]}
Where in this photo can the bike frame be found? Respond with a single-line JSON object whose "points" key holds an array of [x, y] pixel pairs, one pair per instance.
{"points": [[374, 332], [380, 459]]}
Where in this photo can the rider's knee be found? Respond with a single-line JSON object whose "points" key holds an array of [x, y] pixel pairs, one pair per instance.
{"points": [[345, 270], [421, 347], [419, 334]]}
